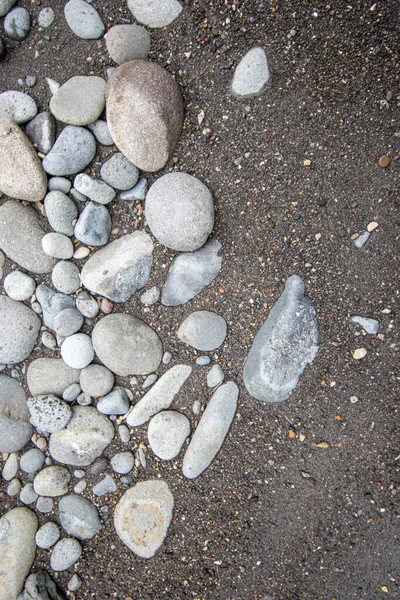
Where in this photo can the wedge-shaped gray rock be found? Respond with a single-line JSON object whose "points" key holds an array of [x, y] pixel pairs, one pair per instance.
{"points": [[191, 272], [52, 481], [79, 517], [127, 42], [251, 75], [23, 243], [204, 330], [370, 326], [74, 149], [144, 113], [211, 431], [155, 13], [17, 550], [95, 189], [21, 173], [19, 330], [83, 19], [52, 303], [15, 429], [80, 100], [126, 345], [180, 211], [284, 345], [143, 515], [167, 432], [42, 131], [40, 586], [114, 403], [49, 413], [50, 376], [94, 225], [121, 268], [160, 396], [83, 440]]}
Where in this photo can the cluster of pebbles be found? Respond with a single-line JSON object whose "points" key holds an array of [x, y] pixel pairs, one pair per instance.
{"points": [[75, 409]]}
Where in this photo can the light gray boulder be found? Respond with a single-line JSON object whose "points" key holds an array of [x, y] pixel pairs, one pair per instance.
{"points": [[66, 277], [19, 286], [47, 535], [17, 24], [283, 347], [77, 350], [57, 245], [96, 380]]}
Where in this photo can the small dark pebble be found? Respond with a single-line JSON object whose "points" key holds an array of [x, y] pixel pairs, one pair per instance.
{"points": [[321, 201]]}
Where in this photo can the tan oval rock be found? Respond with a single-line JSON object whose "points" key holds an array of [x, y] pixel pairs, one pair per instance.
{"points": [[144, 113], [21, 174]]}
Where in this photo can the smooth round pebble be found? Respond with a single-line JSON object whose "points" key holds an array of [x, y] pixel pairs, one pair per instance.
{"points": [[203, 330], [360, 353], [65, 553], [14, 487], [57, 245], [151, 296], [79, 517], [71, 392], [59, 184], [80, 100], [81, 252], [19, 286], [100, 131], [74, 583], [124, 434], [80, 487], [167, 432], [127, 42], [215, 376], [74, 149], [32, 460], [52, 481], [119, 173], [48, 340], [67, 322], [17, 105], [47, 535], [84, 400], [96, 380], [61, 211], [45, 17], [152, 378], [77, 351], [17, 24], [167, 357], [84, 20], [123, 462], [45, 505], [66, 277], [203, 360]]}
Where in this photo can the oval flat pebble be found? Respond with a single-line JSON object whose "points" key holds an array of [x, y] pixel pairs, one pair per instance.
{"points": [[57, 245], [100, 131], [359, 353], [32, 460], [65, 554], [81, 253], [384, 161], [45, 17], [61, 211], [96, 380], [372, 226], [19, 286], [14, 488], [123, 462], [48, 413], [119, 173], [74, 149], [47, 535], [167, 433], [71, 392], [19, 329], [10, 468], [67, 322], [79, 517], [77, 351], [203, 330], [17, 24], [28, 494], [87, 305], [80, 100], [18, 106], [59, 184], [251, 74], [84, 20], [66, 277], [52, 481], [154, 13], [215, 376]]}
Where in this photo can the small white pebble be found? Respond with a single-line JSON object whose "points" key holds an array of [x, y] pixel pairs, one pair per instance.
{"points": [[359, 353]]}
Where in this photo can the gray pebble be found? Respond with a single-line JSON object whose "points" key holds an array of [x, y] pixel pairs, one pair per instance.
{"points": [[114, 403], [48, 340], [57, 245], [96, 380], [99, 466], [119, 173], [80, 487], [105, 486], [73, 150], [17, 24], [155, 14], [215, 376], [84, 400], [45, 17], [101, 133], [251, 74], [79, 517], [6, 6], [30, 81], [71, 392], [150, 379], [150, 296], [167, 357], [42, 131], [19, 286], [74, 583], [28, 494], [76, 195], [10, 468], [61, 211], [52, 303], [370, 326], [133, 381], [14, 488], [59, 184], [124, 434], [123, 462], [95, 189], [360, 241], [65, 553], [45, 505], [94, 225], [127, 42], [47, 535], [79, 473], [32, 460], [52, 481], [80, 100], [203, 360], [84, 20], [167, 433], [127, 479], [17, 105], [77, 351], [203, 330], [138, 192], [66, 277], [68, 321]]}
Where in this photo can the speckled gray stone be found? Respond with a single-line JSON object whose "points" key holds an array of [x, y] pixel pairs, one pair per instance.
{"points": [[67, 322], [52, 481], [167, 433], [80, 100], [95, 189], [20, 107], [203, 330], [74, 149], [32, 460], [87, 305], [251, 74], [6, 6], [17, 24], [47, 535], [59, 184], [123, 462], [45, 17], [66, 277], [79, 517], [14, 488], [84, 20], [19, 330], [49, 413], [42, 131], [44, 505], [19, 286], [138, 192], [100, 130], [119, 173], [370, 326], [74, 583], [94, 225], [96, 380], [127, 42], [61, 211], [71, 392], [151, 296], [65, 553], [202, 361]]}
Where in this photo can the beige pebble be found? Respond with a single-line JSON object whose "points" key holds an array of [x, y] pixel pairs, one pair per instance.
{"points": [[307, 163], [359, 353], [371, 226], [81, 252]]}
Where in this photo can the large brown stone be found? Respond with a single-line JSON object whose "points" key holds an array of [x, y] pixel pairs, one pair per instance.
{"points": [[144, 113]]}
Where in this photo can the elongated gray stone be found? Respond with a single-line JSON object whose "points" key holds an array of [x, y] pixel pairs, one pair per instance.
{"points": [[83, 440], [17, 550], [191, 272], [61, 211], [211, 432], [160, 396], [143, 515], [19, 330], [283, 347], [121, 268], [42, 131], [15, 429], [74, 149], [21, 173], [83, 19], [370, 326], [251, 75]]}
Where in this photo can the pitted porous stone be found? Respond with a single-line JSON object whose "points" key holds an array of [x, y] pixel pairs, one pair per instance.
{"points": [[52, 481], [155, 13], [126, 345], [19, 330], [121, 268], [211, 431], [283, 347], [17, 550], [49, 413], [79, 517], [143, 515], [144, 113], [83, 440], [50, 376], [21, 173], [80, 100], [251, 75]]}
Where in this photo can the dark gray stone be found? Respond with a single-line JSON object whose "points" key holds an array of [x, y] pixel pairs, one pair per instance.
{"points": [[94, 225], [42, 131], [40, 586]]}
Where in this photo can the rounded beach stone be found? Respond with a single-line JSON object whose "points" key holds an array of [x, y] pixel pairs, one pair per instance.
{"points": [[127, 42], [49, 413], [144, 113], [79, 517], [84, 20], [67, 322], [100, 131], [61, 211], [180, 211], [19, 286], [123, 462], [47, 535], [17, 23], [143, 515], [251, 75], [74, 149], [96, 380], [65, 553], [154, 13], [15, 429], [118, 172], [18, 106], [203, 330], [21, 175], [77, 351], [167, 433], [59, 184], [32, 460], [45, 17], [126, 345], [66, 277], [57, 245], [52, 481], [80, 100], [19, 330], [50, 376], [6, 6]]}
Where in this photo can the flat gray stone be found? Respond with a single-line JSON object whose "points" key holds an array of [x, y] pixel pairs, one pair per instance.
{"points": [[251, 74], [66, 277], [28, 494], [67, 322], [74, 149], [49, 413], [146, 137], [121, 268], [203, 360], [71, 392], [180, 211], [17, 550], [79, 517], [23, 244], [87, 434], [114, 403], [32, 460], [283, 347], [160, 396], [212, 430], [65, 554], [123, 462], [80, 101], [167, 433], [44, 505], [21, 175], [19, 330], [143, 515], [94, 225], [50, 376], [96, 380], [370, 326], [215, 376], [6, 6], [155, 13], [52, 481], [118, 172], [40, 586], [61, 211], [77, 350], [42, 132], [57, 245], [191, 272], [47, 535], [84, 20], [59, 184], [203, 330], [105, 486], [17, 24], [100, 131], [18, 106], [139, 353], [138, 192], [52, 303], [127, 42], [19, 286], [95, 189]]}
